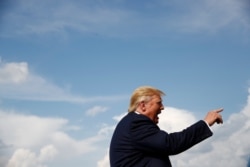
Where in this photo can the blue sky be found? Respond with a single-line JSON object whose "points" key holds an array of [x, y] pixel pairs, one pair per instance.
{"points": [[68, 68]]}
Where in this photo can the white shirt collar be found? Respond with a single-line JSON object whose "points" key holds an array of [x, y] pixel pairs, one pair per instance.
{"points": [[137, 112]]}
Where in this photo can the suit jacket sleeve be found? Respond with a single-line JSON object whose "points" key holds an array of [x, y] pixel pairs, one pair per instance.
{"points": [[149, 138]]}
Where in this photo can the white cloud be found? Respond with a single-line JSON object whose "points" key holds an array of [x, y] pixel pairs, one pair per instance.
{"points": [[34, 141], [18, 82], [96, 110], [28, 129], [47, 153], [24, 158], [246, 109], [106, 130], [119, 117], [173, 119], [105, 161], [13, 72], [27, 158]]}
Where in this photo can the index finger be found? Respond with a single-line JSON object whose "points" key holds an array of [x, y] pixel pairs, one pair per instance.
{"points": [[218, 110]]}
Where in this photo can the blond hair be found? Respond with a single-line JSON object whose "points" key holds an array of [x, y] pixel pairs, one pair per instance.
{"points": [[143, 93]]}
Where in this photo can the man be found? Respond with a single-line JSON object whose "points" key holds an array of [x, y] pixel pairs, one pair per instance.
{"points": [[137, 140]]}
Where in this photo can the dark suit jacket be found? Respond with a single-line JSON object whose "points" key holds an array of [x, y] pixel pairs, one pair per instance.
{"points": [[138, 142]]}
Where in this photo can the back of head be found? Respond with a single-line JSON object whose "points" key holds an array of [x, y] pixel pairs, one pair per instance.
{"points": [[143, 93]]}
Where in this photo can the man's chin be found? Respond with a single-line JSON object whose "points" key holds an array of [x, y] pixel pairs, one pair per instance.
{"points": [[156, 120]]}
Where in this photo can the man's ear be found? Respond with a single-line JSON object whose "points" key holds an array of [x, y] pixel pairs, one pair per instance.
{"points": [[142, 106]]}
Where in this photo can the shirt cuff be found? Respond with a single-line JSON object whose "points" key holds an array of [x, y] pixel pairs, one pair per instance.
{"points": [[208, 125]]}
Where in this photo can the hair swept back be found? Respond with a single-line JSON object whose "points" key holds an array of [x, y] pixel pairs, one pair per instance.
{"points": [[143, 93]]}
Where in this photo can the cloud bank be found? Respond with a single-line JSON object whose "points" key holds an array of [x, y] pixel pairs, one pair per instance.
{"points": [[27, 158], [95, 110], [17, 81], [117, 18], [32, 141]]}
